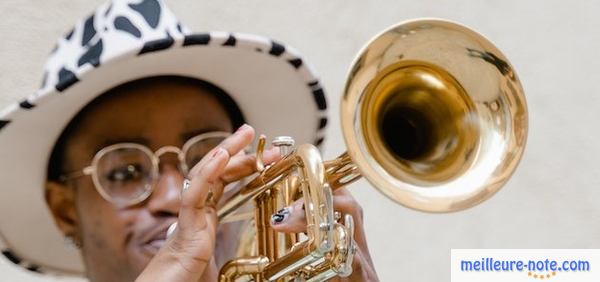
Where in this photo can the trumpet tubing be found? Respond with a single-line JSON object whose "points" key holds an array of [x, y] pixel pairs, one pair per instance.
{"points": [[433, 116]]}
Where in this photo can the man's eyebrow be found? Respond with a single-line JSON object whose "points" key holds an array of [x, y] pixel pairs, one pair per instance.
{"points": [[188, 135]]}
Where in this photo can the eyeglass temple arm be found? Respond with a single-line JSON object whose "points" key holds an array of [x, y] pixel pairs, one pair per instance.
{"points": [[76, 174]]}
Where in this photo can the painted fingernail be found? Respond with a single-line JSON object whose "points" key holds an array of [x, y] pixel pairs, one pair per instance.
{"points": [[217, 152], [242, 128], [281, 215]]}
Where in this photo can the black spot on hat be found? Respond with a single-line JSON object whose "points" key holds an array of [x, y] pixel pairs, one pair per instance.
{"points": [[296, 62], [11, 256], [179, 28], [322, 123], [319, 141], [34, 268], [124, 24], [157, 45], [26, 105], [276, 49], [230, 41], [92, 55], [66, 78], [69, 35], [196, 39], [3, 123], [319, 96], [150, 10], [88, 30]]}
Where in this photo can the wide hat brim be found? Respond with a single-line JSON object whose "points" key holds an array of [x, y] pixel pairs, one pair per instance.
{"points": [[276, 91]]}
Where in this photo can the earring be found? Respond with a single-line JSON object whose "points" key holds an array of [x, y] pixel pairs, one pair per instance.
{"points": [[71, 242]]}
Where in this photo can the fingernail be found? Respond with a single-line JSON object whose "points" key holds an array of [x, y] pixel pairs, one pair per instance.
{"points": [[242, 128], [217, 152], [281, 215]]}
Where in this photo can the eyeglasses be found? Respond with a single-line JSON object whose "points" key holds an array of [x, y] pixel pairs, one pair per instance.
{"points": [[125, 173]]}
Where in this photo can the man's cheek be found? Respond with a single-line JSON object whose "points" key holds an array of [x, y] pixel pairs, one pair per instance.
{"points": [[105, 230]]}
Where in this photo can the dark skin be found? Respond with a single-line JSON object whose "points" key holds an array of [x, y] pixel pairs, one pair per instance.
{"points": [[114, 240]]}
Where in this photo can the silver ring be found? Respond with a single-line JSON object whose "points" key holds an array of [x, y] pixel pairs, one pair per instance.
{"points": [[186, 185]]}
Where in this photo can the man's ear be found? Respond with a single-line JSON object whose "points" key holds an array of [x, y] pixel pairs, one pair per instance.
{"points": [[61, 201]]}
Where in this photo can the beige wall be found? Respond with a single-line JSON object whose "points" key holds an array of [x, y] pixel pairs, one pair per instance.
{"points": [[553, 200]]}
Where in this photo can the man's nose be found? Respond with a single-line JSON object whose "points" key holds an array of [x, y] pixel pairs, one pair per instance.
{"points": [[165, 199]]}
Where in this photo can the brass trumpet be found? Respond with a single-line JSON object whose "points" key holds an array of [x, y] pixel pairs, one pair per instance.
{"points": [[433, 116]]}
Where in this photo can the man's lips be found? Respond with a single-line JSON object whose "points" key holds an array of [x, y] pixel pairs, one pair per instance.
{"points": [[158, 240], [155, 238]]}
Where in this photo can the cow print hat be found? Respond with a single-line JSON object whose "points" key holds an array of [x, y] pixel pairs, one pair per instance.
{"points": [[120, 42]]}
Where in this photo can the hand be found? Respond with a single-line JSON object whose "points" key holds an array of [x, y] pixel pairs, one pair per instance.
{"points": [[189, 253], [343, 202]]}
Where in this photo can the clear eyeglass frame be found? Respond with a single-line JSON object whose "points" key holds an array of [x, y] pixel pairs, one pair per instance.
{"points": [[154, 157]]}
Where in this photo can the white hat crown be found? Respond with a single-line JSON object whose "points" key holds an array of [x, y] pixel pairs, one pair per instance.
{"points": [[114, 29]]}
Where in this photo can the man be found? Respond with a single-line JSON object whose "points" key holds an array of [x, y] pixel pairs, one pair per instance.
{"points": [[132, 104]]}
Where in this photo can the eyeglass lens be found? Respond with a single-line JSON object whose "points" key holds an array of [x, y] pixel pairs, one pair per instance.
{"points": [[126, 175]]}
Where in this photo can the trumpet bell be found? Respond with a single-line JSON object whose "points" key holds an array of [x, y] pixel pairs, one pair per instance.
{"points": [[434, 116]]}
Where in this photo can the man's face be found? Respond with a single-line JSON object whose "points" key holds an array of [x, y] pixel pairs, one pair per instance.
{"points": [[117, 243]]}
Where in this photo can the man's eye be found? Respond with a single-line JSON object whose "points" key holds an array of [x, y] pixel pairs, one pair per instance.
{"points": [[131, 172]]}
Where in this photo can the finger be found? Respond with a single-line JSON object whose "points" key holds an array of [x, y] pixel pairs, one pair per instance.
{"points": [[241, 166], [241, 138], [194, 218], [362, 268], [211, 220], [293, 219], [207, 179], [233, 144], [345, 203], [290, 219]]}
